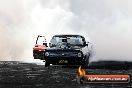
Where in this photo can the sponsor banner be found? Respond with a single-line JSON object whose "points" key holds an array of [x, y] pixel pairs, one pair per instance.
{"points": [[82, 77], [107, 78]]}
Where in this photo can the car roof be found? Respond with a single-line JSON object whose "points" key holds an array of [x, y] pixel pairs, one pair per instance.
{"points": [[67, 35]]}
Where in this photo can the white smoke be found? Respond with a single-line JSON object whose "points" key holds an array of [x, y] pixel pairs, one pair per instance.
{"points": [[107, 23]]}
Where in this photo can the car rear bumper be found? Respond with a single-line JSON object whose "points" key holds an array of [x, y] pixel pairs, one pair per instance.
{"points": [[38, 54]]}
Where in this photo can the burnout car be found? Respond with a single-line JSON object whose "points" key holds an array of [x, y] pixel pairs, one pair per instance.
{"points": [[39, 47], [67, 50]]}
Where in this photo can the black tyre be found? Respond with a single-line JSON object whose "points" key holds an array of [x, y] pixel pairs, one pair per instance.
{"points": [[47, 64], [85, 62]]}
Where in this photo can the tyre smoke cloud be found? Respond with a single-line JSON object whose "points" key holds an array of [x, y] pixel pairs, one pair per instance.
{"points": [[107, 23]]}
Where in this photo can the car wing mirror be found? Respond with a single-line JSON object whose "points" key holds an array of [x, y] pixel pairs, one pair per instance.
{"points": [[86, 44]]}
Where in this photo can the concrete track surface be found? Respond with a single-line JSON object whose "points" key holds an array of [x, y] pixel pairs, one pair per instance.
{"points": [[30, 75]]}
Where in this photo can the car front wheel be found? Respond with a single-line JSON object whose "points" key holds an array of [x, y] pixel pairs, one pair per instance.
{"points": [[47, 64], [85, 62]]}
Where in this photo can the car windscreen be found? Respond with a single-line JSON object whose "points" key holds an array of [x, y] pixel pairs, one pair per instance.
{"points": [[69, 40]]}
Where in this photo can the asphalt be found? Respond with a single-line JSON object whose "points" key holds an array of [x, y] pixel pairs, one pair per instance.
{"points": [[30, 75]]}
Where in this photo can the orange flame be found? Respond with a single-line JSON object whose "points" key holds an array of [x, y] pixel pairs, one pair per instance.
{"points": [[81, 71]]}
